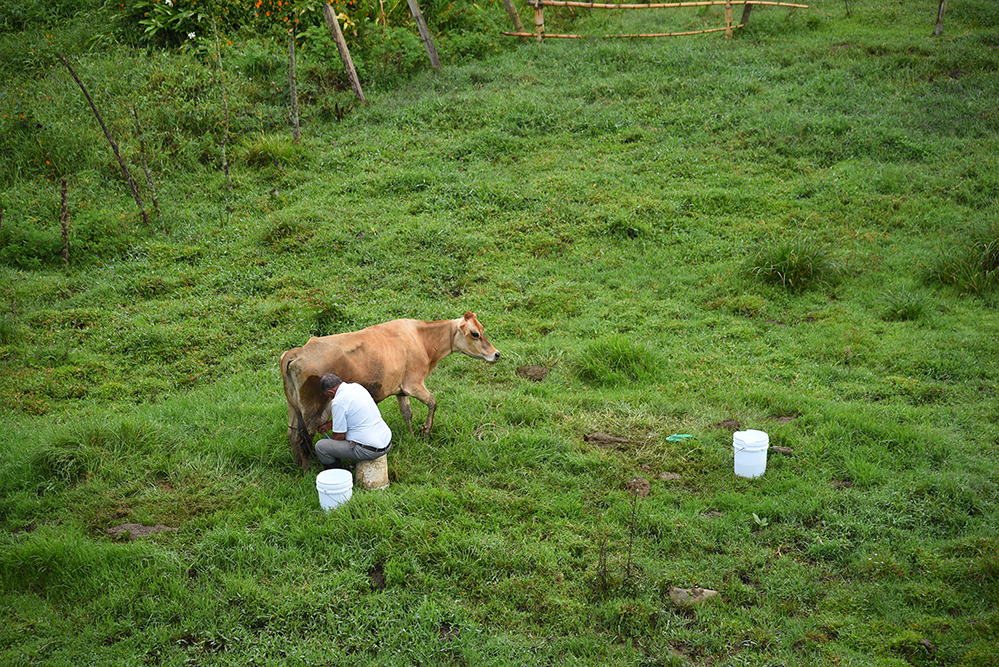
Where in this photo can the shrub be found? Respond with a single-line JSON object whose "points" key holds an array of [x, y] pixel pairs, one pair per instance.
{"points": [[796, 264], [29, 249]]}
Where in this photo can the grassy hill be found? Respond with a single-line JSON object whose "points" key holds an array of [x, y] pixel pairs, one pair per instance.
{"points": [[794, 230]]}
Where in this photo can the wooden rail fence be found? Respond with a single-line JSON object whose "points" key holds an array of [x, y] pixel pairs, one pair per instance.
{"points": [[539, 15]]}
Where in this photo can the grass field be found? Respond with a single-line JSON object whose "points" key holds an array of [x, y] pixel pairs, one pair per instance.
{"points": [[796, 229]]}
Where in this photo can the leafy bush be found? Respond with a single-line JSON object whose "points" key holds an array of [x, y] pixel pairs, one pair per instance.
{"points": [[796, 264], [22, 14], [28, 248]]}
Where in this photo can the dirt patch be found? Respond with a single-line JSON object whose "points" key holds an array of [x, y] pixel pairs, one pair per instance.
{"points": [[377, 576], [135, 531], [535, 373], [640, 487], [785, 419], [728, 424], [669, 476], [605, 439], [448, 632]]}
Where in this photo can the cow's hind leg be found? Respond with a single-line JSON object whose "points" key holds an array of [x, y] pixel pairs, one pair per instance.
{"points": [[406, 410], [301, 447], [301, 442]]}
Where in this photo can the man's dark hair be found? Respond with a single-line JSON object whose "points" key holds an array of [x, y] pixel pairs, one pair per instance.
{"points": [[329, 382]]}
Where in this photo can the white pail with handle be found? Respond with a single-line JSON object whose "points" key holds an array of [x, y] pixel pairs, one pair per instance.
{"points": [[335, 487], [750, 452]]}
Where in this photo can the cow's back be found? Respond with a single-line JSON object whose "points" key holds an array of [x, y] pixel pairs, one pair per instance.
{"points": [[376, 357]]}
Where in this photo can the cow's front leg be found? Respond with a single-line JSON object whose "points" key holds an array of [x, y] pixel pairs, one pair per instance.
{"points": [[406, 410]]}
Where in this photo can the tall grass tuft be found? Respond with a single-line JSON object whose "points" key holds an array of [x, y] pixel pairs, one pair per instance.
{"points": [[269, 149], [78, 453], [10, 332], [618, 360], [797, 264], [972, 266], [905, 305]]}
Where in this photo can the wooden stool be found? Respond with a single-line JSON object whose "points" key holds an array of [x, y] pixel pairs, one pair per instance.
{"points": [[372, 474]]}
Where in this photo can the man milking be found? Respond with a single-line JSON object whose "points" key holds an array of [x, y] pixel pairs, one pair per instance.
{"points": [[356, 430]]}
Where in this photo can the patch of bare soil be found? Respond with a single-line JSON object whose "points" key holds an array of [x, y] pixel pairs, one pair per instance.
{"points": [[640, 487], [377, 575], [785, 419], [135, 531], [535, 373], [604, 439], [729, 425]]}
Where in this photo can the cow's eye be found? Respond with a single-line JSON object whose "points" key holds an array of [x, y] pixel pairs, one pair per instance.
{"points": [[475, 334]]}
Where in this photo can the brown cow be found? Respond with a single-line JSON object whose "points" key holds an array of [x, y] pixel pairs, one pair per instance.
{"points": [[390, 359]]}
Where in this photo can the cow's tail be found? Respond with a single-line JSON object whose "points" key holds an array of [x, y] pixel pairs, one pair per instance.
{"points": [[300, 439]]}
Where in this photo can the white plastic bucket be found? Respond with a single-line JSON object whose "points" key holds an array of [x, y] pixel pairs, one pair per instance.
{"points": [[335, 487], [750, 453]]}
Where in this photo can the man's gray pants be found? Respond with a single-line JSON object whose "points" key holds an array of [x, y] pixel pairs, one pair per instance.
{"points": [[329, 450]]}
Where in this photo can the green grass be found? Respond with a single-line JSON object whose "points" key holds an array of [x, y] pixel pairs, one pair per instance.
{"points": [[610, 210]]}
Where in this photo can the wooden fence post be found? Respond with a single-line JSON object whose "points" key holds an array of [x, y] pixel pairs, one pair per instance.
{"points": [[539, 20], [296, 131], [65, 224], [341, 45], [145, 162], [511, 9], [940, 17], [114, 147], [421, 23], [728, 20]]}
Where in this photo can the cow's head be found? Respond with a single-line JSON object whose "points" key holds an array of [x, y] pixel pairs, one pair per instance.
{"points": [[469, 339]]}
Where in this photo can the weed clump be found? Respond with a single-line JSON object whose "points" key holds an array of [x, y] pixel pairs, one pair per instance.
{"points": [[617, 360], [972, 267], [905, 305], [797, 264]]}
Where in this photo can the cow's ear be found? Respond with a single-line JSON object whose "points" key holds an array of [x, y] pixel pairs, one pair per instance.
{"points": [[463, 327], [469, 315]]}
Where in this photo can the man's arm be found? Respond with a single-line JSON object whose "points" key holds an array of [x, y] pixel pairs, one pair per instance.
{"points": [[325, 428]]}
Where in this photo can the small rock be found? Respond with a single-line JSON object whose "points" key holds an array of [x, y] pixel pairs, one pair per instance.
{"points": [[685, 597]]}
